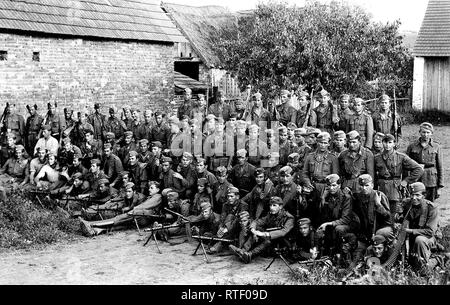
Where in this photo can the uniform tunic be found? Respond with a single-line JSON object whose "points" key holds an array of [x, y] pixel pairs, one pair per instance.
{"points": [[353, 164], [363, 124]]}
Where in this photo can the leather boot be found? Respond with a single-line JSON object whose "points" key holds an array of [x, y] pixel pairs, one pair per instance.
{"points": [[248, 256]]}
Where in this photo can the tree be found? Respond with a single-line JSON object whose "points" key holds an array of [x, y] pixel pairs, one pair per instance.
{"points": [[334, 46]]}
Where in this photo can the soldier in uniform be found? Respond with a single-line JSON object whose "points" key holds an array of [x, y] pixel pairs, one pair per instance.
{"points": [[79, 130], [94, 175], [287, 189], [326, 113], [36, 164], [32, 127], [286, 147], [302, 112], [67, 152], [47, 142], [422, 215], [299, 134], [160, 131], [14, 173], [339, 143], [361, 122], [354, 162], [137, 171], [428, 154], [286, 111], [114, 125], [97, 120], [378, 143], [144, 154], [344, 112], [128, 145], [240, 110], [220, 108], [273, 167], [126, 117], [55, 121], [258, 198], [171, 179], [383, 118], [269, 231], [8, 151], [258, 113], [390, 166], [144, 131], [186, 107], [319, 164], [111, 164], [379, 249], [90, 148], [187, 170], [306, 243], [199, 110], [220, 189], [242, 175], [12, 123]]}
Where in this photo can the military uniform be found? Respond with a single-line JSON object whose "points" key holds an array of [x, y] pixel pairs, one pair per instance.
{"points": [[97, 120], [57, 124], [160, 133], [327, 117], [287, 113], [116, 126], [258, 199], [363, 124], [301, 115], [317, 167], [112, 167], [353, 164], [222, 110], [32, 127], [344, 117], [243, 177], [16, 124]]}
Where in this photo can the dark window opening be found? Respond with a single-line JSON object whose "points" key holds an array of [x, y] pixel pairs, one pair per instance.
{"points": [[36, 56], [190, 69], [3, 55]]}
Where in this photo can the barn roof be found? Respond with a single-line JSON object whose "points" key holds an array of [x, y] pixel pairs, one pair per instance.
{"points": [[182, 81], [196, 22], [115, 19], [434, 34]]}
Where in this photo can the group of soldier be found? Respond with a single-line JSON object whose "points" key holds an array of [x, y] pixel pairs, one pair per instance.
{"points": [[323, 181]]}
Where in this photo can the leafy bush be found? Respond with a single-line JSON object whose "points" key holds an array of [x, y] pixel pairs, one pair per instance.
{"points": [[24, 224]]}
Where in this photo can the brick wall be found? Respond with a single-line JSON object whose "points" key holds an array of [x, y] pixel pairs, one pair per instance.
{"points": [[78, 72]]}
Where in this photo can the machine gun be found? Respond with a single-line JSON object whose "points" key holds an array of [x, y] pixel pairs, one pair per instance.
{"points": [[312, 262], [208, 238], [157, 229], [280, 253], [186, 220]]}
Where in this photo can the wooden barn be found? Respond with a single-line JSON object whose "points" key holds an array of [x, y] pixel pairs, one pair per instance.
{"points": [[83, 51], [431, 87], [196, 58]]}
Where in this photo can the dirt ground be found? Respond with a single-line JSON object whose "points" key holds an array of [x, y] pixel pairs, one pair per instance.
{"points": [[120, 258]]}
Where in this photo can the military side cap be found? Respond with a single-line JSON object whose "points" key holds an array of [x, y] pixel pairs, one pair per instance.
{"points": [[96, 106], [46, 127], [378, 239], [172, 195], [384, 97], [388, 138], [303, 93], [129, 185], [133, 153], [110, 135], [345, 96], [112, 109], [143, 141], [417, 187], [312, 130], [156, 144], [211, 117], [291, 125], [20, 147], [77, 156], [339, 135], [244, 215], [187, 90], [125, 173], [283, 92], [333, 178], [205, 205], [358, 100], [239, 102], [259, 171], [107, 145], [66, 140], [95, 161], [257, 95], [200, 159], [233, 190], [379, 135], [253, 127], [276, 200], [352, 135], [300, 132], [202, 181], [241, 153], [286, 170], [221, 170], [323, 92], [128, 133], [77, 176], [241, 124], [10, 135], [188, 155], [364, 179], [304, 221], [103, 181], [174, 120], [282, 129], [166, 159], [426, 126], [323, 137], [293, 157]]}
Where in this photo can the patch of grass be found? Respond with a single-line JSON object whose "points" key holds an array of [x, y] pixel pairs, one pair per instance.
{"points": [[24, 224]]}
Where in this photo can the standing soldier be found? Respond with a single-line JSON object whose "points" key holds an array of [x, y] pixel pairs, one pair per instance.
{"points": [[32, 128], [344, 111], [242, 175], [428, 154], [319, 164], [128, 145], [286, 111], [55, 121], [326, 112], [186, 107], [257, 113], [287, 189], [354, 162], [383, 118], [286, 147], [361, 122], [97, 120], [115, 125], [12, 123], [144, 132], [389, 168], [160, 131], [302, 112], [220, 108], [199, 109], [339, 143]]}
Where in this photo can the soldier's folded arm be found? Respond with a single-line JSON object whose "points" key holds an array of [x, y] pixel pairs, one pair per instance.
{"points": [[431, 224]]}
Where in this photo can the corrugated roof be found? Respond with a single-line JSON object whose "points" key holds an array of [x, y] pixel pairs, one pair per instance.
{"points": [[116, 19], [196, 22], [434, 34], [182, 81]]}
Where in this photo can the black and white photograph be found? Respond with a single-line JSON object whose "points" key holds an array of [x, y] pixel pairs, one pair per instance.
{"points": [[206, 143]]}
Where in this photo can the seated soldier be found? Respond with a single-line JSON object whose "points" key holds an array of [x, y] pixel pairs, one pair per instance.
{"points": [[14, 173], [36, 164], [8, 151], [270, 230], [287, 189], [228, 218], [171, 179], [306, 241], [175, 204], [67, 152], [379, 250], [137, 171], [94, 175], [119, 185], [141, 213], [220, 190], [68, 195], [112, 166], [49, 177], [204, 194], [144, 155], [245, 236], [259, 197], [77, 166], [207, 222]]}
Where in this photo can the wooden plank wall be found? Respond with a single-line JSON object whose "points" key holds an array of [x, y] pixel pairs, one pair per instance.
{"points": [[437, 83]]}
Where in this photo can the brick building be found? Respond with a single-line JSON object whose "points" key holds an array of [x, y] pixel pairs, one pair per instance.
{"points": [[80, 52]]}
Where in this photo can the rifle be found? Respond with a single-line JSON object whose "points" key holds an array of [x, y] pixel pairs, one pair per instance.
{"points": [[200, 243], [313, 262], [187, 223], [310, 108], [2, 119], [394, 116]]}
